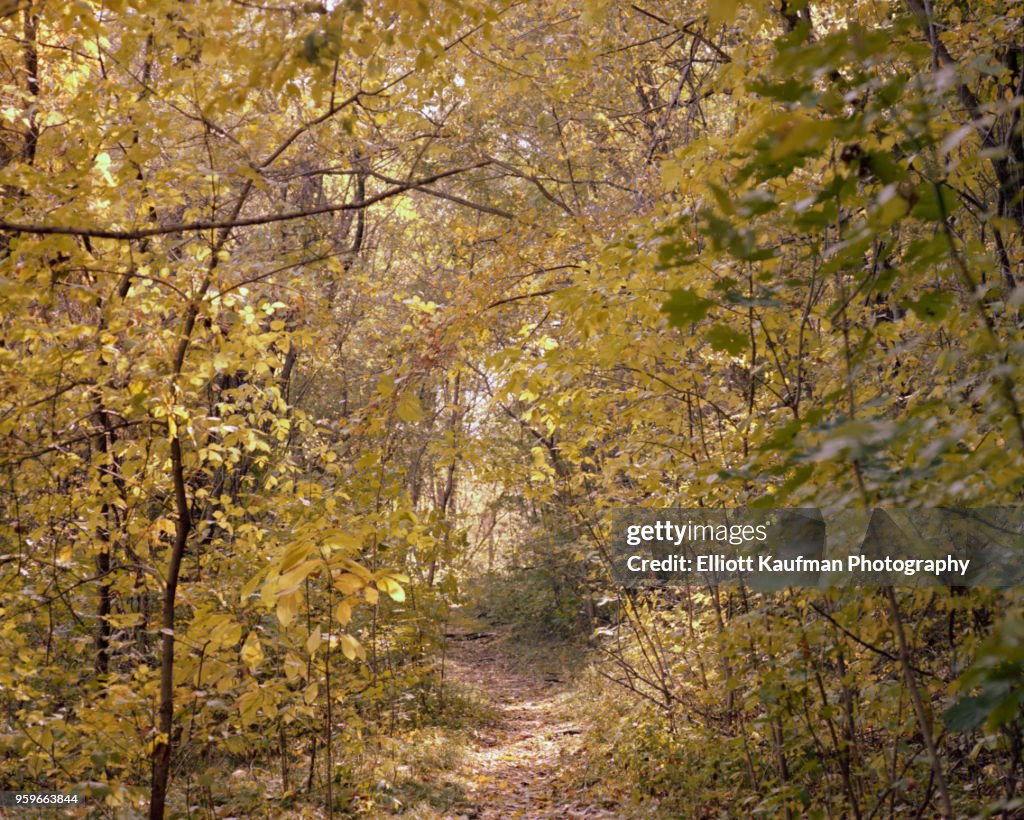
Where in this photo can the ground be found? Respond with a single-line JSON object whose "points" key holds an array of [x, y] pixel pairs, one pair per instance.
{"points": [[503, 742], [529, 761]]}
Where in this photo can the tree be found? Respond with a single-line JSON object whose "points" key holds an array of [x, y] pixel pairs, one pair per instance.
{"points": [[291, 293]]}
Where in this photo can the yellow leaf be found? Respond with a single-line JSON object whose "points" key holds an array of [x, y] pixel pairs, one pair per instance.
{"points": [[313, 641], [295, 553], [343, 613], [287, 608], [291, 579], [341, 539], [250, 586], [409, 409], [392, 588], [351, 648], [294, 668], [348, 583], [252, 652], [248, 706]]}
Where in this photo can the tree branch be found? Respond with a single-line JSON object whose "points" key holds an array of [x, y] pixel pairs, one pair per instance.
{"points": [[487, 209], [229, 224]]}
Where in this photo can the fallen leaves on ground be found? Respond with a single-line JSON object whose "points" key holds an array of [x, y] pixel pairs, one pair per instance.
{"points": [[525, 765]]}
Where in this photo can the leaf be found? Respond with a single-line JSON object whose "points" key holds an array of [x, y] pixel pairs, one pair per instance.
{"points": [[684, 307], [971, 711], [884, 167], [409, 409], [313, 641], [295, 553], [351, 648], [249, 706], [722, 11], [252, 652], [342, 540], [932, 306], [391, 588], [294, 577], [287, 608], [348, 583], [294, 668], [934, 202], [726, 339]]}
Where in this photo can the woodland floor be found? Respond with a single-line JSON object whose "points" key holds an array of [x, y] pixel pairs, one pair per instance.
{"points": [[529, 761]]}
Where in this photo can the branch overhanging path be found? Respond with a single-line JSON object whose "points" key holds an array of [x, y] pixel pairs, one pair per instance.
{"points": [[230, 224]]}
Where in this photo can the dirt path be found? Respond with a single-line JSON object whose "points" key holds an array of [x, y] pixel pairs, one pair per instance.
{"points": [[527, 764]]}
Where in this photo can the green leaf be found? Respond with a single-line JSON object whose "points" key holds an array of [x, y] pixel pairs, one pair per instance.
{"points": [[726, 339], [934, 202], [684, 307], [970, 712], [932, 306], [789, 90], [884, 167], [675, 254]]}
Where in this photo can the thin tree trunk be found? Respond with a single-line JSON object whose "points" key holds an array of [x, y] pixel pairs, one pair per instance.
{"points": [[923, 721], [162, 750]]}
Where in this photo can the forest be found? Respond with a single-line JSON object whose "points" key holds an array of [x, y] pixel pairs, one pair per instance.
{"points": [[334, 334]]}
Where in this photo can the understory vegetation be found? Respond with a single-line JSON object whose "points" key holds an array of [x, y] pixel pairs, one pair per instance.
{"points": [[332, 333]]}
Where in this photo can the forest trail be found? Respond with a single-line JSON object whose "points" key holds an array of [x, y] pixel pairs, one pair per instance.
{"points": [[530, 762]]}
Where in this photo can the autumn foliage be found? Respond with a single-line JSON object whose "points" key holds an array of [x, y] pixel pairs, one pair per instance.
{"points": [[312, 316]]}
